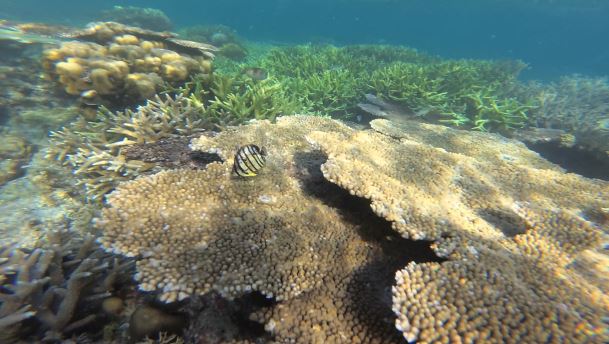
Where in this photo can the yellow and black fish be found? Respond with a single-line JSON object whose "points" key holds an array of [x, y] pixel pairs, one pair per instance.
{"points": [[249, 160]]}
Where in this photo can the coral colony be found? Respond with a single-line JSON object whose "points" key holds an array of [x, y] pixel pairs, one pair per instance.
{"points": [[392, 198]]}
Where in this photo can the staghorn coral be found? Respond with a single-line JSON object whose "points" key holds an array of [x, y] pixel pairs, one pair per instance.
{"points": [[489, 204], [482, 95], [94, 149], [579, 106], [125, 63], [58, 286], [510, 223]]}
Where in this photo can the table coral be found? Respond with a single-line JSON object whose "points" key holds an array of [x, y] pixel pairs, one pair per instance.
{"points": [[487, 202], [203, 230], [509, 222]]}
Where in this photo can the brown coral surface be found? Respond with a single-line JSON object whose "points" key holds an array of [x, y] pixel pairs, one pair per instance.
{"points": [[509, 222]]}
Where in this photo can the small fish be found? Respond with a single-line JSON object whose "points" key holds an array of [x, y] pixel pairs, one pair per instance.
{"points": [[256, 73], [249, 160]]}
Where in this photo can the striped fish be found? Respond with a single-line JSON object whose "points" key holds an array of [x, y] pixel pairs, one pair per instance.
{"points": [[249, 160]]}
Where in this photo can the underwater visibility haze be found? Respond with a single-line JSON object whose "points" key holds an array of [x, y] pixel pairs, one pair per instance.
{"points": [[363, 171]]}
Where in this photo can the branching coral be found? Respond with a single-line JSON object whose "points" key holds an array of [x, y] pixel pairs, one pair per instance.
{"points": [[509, 223], [204, 230], [578, 105], [94, 148], [474, 94], [233, 99], [58, 287], [331, 80]]}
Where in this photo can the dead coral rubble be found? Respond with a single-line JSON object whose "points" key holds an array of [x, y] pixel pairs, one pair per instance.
{"points": [[58, 286], [509, 223]]}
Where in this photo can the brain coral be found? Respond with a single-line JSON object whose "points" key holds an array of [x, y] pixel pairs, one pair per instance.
{"points": [[508, 222]]}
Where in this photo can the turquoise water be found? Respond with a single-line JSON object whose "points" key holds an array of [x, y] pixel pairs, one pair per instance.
{"points": [[554, 37]]}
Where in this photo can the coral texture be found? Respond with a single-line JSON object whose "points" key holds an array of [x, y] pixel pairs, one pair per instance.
{"points": [[94, 149], [488, 204], [59, 286], [198, 231], [509, 222], [124, 62]]}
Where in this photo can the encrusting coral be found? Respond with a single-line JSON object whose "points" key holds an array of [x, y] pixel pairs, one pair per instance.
{"points": [[490, 206], [509, 222], [57, 288]]}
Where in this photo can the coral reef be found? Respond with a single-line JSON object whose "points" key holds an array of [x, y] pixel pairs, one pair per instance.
{"points": [[124, 63], [473, 94], [94, 148], [508, 222], [331, 80], [55, 290], [578, 105], [239, 236], [147, 18], [233, 51]]}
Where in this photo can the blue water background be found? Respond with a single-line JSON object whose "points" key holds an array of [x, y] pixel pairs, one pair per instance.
{"points": [[555, 38]]}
